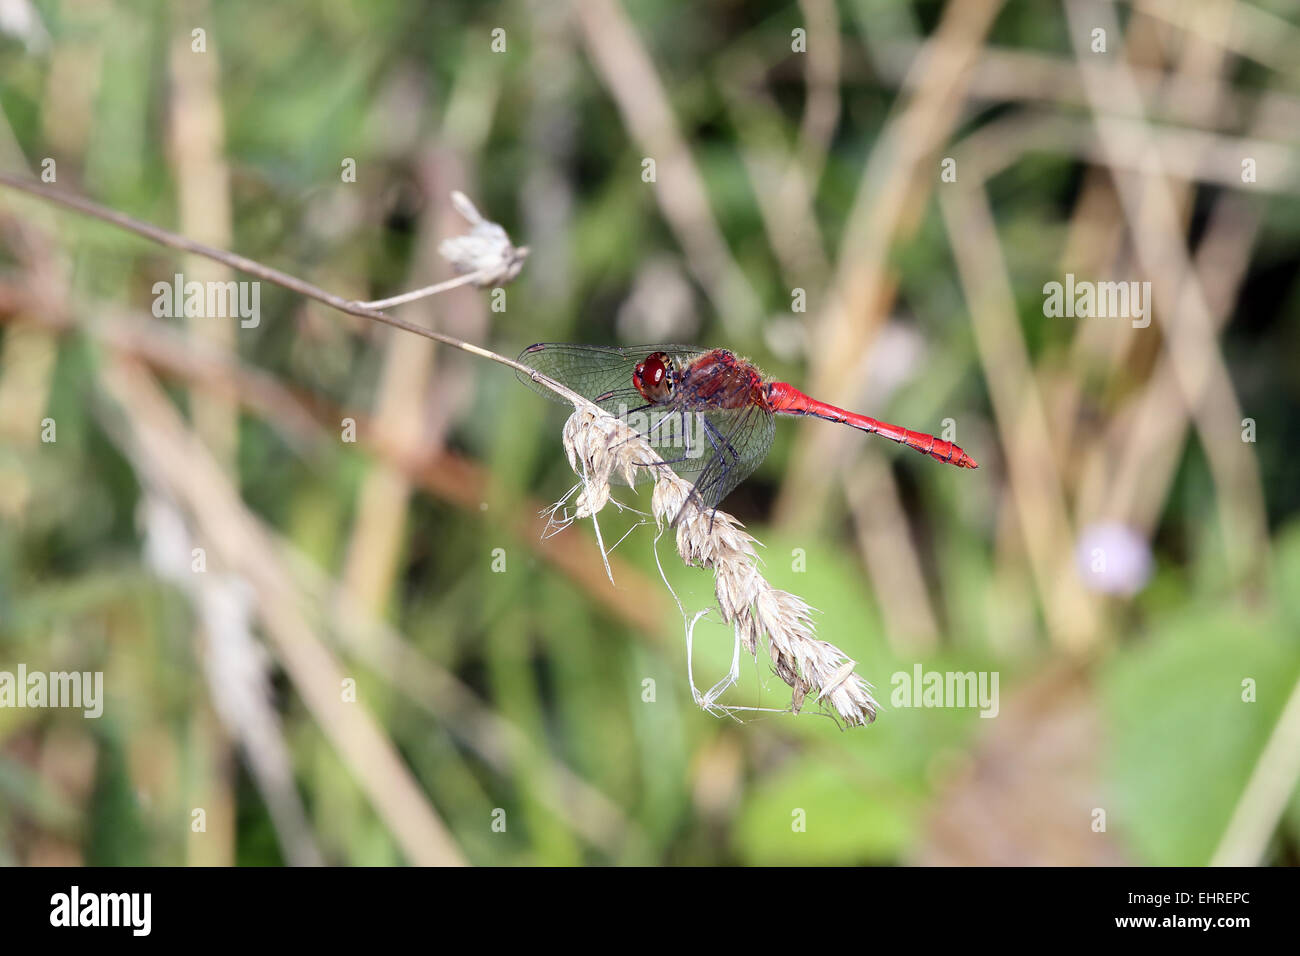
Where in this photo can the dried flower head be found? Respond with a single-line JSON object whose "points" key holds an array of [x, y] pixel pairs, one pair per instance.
{"points": [[485, 250], [601, 447]]}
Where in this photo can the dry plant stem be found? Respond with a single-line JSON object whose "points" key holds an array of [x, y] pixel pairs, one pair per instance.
{"points": [[173, 241], [196, 154], [1003, 75], [781, 186], [1127, 472], [1187, 154], [1149, 439], [885, 542], [1264, 800], [1254, 33], [424, 293], [1150, 446], [822, 104], [1199, 64]]}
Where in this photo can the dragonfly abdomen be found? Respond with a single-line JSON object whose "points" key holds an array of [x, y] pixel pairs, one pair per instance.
{"points": [[785, 399]]}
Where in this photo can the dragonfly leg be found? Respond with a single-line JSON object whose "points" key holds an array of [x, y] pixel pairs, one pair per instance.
{"points": [[649, 432], [685, 437], [712, 431], [714, 437]]}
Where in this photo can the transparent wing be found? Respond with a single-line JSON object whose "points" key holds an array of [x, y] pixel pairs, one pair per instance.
{"points": [[714, 450], [737, 440], [601, 374]]}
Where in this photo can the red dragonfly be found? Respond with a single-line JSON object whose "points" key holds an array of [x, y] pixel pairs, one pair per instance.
{"points": [[707, 412]]}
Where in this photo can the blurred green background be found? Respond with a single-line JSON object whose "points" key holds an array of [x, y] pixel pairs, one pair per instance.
{"points": [[382, 661]]}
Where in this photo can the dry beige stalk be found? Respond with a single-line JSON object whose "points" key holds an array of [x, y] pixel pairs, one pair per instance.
{"points": [[602, 448]]}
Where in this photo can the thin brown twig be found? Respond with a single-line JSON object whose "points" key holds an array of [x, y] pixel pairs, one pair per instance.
{"points": [[174, 241], [444, 286]]}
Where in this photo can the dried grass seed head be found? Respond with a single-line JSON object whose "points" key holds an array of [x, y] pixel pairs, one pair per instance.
{"points": [[485, 249], [600, 446]]}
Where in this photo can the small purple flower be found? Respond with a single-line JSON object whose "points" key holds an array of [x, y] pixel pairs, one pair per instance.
{"points": [[1113, 559]]}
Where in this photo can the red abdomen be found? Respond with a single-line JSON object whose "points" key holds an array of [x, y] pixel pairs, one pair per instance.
{"points": [[787, 400]]}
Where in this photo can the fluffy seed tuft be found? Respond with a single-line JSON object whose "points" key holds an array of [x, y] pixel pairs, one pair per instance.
{"points": [[486, 249]]}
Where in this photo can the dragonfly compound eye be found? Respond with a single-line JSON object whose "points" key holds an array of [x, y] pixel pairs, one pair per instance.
{"points": [[653, 377]]}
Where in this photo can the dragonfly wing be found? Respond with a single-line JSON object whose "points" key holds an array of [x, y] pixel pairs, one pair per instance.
{"points": [[668, 430], [715, 451], [735, 442], [601, 374]]}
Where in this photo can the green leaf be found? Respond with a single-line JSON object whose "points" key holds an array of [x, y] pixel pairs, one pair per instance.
{"points": [[844, 820], [1184, 741]]}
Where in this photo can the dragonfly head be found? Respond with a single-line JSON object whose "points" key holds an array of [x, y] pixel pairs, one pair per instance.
{"points": [[653, 378]]}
